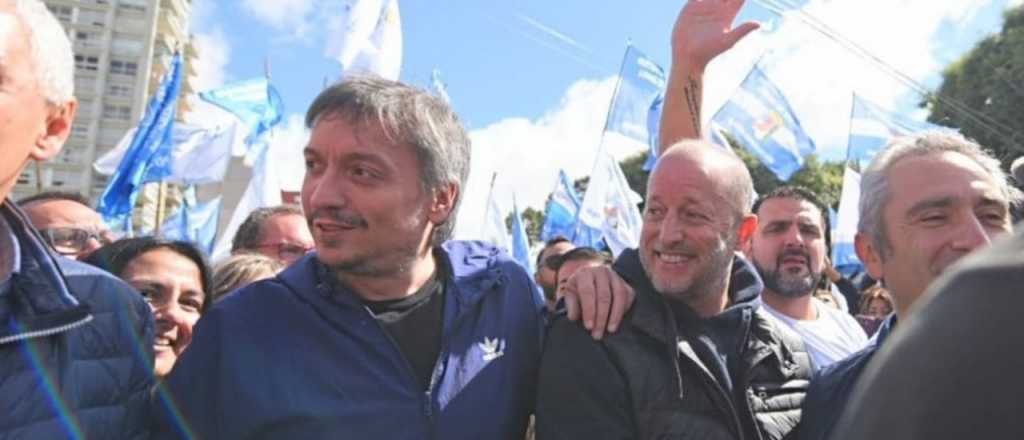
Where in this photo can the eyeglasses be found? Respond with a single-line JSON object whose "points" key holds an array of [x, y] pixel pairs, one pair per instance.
{"points": [[287, 251], [73, 240]]}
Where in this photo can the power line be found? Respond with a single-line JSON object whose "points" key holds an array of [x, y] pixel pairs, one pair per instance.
{"points": [[982, 120]]}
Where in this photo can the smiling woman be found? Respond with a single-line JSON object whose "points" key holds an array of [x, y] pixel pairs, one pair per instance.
{"points": [[174, 278]]}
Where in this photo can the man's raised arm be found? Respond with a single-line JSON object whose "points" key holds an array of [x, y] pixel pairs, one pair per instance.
{"points": [[702, 31]]}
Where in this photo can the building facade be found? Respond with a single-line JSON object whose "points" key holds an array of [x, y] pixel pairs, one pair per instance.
{"points": [[121, 47]]}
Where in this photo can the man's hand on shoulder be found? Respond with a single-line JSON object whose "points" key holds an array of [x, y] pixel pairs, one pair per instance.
{"points": [[600, 297]]}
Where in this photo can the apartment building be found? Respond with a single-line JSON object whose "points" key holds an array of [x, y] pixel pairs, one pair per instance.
{"points": [[122, 47]]}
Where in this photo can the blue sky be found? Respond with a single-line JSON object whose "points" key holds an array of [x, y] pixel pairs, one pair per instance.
{"points": [[532, 78]]}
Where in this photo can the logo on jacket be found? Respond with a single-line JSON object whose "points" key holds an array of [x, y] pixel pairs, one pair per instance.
{"points": [[492, 348]]}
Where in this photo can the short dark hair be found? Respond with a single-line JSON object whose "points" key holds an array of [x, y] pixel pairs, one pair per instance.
{"points": [[547, 244], [410, 116], [583, 253], [116, 256], [803, 194], [46, 196], [250, 232]]}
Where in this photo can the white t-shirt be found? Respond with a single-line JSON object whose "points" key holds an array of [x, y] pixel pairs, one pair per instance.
{"points": [[830, 338]]}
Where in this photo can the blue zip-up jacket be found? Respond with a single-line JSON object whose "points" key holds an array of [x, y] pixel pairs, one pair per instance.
{"points": [[300, 357], [76, 347], [831, 389]]}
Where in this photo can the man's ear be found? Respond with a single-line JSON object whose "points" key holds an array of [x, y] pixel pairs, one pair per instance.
{"points": [[870, 255], [443, 203], [56, 132], [745, 232]]}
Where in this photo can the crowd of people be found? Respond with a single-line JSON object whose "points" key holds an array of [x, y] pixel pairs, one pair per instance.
{"points": [[357, 316]]}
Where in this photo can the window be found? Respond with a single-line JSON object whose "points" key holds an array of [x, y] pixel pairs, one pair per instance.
{"points": [[130, 7], [80, 132], [117, 112], [126, 45], [90, 63], [124, 67], [63, 13], [88, 39], [94, 18], [119, 90]]}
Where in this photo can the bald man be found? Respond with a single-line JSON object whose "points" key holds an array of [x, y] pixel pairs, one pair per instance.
{"points": [[696, 356]]}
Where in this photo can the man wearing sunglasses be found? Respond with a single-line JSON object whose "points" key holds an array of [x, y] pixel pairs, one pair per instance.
{"points": [[67, 223]]}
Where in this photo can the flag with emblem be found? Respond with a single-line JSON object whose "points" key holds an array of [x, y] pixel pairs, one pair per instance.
{"points": [[759, 117], [610, 205]]}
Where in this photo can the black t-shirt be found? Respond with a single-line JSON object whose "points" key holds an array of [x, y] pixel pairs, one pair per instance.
{"points": [[415, 324]]}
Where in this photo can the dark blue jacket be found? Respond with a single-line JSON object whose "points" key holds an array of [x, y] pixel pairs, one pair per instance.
{"points": [[294, 357], [76, 348], [831, 389]]}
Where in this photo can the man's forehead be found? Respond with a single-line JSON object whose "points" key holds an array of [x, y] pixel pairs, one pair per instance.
{"points": [[949, 177], [62, 212], [788, 208]]}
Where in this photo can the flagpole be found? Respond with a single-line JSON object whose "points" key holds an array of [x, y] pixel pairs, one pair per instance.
{"points": [[487, 207], [161, 199], [39, 177], [853, 106]]}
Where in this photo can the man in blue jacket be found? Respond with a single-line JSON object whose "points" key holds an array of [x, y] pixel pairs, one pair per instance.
{"points": [[76, 344], [926, 201], [383, 332]]}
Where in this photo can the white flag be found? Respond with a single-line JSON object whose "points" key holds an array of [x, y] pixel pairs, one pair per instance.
{"points": [[198, 155], [843, 251], [610, 205], [494, 231], [367, 38]]}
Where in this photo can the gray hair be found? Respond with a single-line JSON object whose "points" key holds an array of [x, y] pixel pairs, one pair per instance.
{"points": [[411, 116], [874, 183], [50, 47], [250, 233]]}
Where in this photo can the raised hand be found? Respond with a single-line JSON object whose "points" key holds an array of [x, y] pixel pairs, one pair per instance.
{"points": [[704, 30]]}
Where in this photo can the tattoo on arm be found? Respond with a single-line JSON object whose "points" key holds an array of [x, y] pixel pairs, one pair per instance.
{"points": [[692, 92]]}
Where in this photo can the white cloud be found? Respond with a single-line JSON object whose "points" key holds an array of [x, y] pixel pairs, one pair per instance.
{"points": [[528, 154], [214, 53], [290, 16]]}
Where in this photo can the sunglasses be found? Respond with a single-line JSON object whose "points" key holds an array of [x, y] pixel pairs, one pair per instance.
{"points": [[73, 240]]}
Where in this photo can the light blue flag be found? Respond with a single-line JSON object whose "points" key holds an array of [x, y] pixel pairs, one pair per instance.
{"points": [[641, 82], [760, 118], [871, 128], [653, 135], [560, 213], [610, 205], [254, 101], [844, 256], [520, 242], [147, 154], [196, 224]]}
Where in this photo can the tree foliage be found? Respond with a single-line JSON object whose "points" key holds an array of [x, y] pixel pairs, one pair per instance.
{"points": [[533, 220], [990, 80]]}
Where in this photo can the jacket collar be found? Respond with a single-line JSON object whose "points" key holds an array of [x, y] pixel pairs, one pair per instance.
{"points": [[473, 270], [39, 302], [650, 312]]}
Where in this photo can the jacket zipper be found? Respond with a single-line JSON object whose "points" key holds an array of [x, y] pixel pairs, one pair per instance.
{"points": [[46, 332], [703, 371], [409, 372]]}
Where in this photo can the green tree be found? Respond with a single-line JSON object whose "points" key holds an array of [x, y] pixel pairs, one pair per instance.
{"points": [[823, 178], [988, 79], [533, 220]]}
